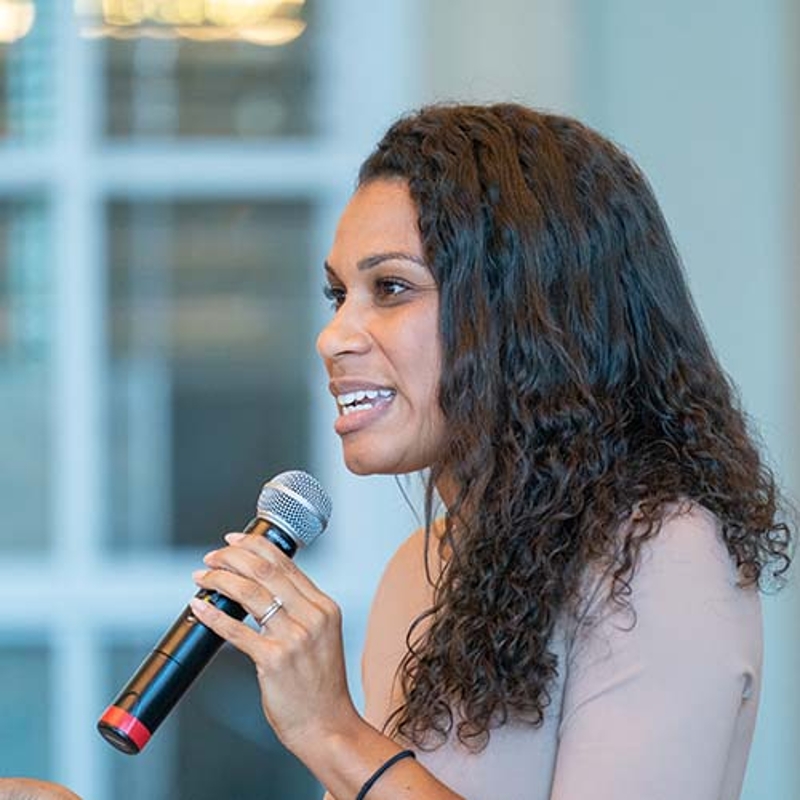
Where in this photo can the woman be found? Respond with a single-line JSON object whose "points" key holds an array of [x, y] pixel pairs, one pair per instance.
{"points": [[510, 315]]}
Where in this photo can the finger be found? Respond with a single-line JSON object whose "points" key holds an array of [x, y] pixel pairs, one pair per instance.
{"points": [[241, 636], [253, 597], [262, 563], [257, 559], [261, 546], [260, 575]]}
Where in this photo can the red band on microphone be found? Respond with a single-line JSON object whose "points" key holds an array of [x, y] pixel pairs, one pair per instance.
{"points": [[120, 719]]}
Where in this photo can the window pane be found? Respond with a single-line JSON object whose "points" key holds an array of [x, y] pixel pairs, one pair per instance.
{"points": [[24, 710], [25, 313], [26, 75], [215, 744], [176, 87], [211, 340]]}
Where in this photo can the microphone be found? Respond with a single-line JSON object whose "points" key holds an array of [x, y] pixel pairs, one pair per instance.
{"points": [[292, 511]]}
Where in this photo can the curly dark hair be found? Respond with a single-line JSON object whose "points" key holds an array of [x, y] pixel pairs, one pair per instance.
{"points": [[578, 386]]}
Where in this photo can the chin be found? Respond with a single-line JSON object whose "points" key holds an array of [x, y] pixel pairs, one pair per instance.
{"points": [[368, 466], [375, 463], [358, 468]]}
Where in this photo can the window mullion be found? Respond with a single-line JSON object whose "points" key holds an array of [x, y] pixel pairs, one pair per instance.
{"points": [[78, 406]]}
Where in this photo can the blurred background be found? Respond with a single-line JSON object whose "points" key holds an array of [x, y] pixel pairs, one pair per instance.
{"points": [[170, 175]]}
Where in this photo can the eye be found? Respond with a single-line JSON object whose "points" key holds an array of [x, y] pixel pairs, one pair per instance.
{"points": [[335, 295], [389, 289]]}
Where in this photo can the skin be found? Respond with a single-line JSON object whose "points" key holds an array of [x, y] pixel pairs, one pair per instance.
{"points": [[384, 333], [31, 789], [383, 336]]}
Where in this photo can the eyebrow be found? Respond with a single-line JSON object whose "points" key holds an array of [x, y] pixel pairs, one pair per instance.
{"points": [[373, 261]]}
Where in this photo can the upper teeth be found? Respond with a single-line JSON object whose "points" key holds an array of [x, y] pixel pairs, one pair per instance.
{"points": [[361, 395]]}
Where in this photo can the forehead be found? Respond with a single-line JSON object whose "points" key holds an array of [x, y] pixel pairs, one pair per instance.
{"points": [[380, 217]]}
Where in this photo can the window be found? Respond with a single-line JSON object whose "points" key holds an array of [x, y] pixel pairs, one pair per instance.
{"points": [[209, 332], [164, 209], [25, 379], [25, 712]]}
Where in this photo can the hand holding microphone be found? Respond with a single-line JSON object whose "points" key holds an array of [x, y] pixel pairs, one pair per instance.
{"points": [[292, 510], [297, 651]]}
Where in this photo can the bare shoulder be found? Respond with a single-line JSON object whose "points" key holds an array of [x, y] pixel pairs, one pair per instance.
{"points": [[403, 594], [408, 563], [410, 552]]}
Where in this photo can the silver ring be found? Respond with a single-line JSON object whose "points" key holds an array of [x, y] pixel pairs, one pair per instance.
{"points": [[272, 609]]}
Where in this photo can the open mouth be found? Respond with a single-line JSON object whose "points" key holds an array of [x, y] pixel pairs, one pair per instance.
{"points": [[362, 400]]}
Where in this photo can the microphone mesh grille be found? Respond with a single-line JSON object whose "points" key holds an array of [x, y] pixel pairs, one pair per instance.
{"points": [[297, 504]]}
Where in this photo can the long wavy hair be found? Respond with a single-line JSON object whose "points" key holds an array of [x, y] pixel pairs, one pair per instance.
{"points": [[578, 386]]}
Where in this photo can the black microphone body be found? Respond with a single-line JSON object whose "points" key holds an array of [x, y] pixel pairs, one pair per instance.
{"points": [[186, 648]]}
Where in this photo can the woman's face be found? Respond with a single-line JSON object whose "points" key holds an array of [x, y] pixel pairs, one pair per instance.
{"points": [[381, 348]]}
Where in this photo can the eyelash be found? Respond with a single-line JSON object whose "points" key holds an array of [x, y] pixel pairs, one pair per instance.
{"points": [[386, 290], [334, 295]]}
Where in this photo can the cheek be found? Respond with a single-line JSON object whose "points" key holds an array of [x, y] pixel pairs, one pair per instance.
{"points": [[427, 365], [417, 354]]}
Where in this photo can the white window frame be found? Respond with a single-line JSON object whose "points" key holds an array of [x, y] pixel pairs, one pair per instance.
{"points": [[78, 592]]}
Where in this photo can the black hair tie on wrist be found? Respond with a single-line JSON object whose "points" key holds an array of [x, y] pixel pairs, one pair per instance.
{"points": [[370, 782]]}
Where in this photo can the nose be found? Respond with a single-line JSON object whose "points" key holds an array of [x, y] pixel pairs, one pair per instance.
{"points": [[345, 333]]}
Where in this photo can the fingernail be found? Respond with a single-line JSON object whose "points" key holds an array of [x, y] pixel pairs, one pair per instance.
{"points": [[232, 538], [197, 605], [199, 574]]}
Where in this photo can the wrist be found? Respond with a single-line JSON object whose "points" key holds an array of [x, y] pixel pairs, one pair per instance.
{"points": [[383, 768], [330, 739], [343, 760]]}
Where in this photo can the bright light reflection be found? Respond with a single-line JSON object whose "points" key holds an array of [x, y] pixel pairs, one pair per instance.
{"points": [[16, 19], [263, 22]]}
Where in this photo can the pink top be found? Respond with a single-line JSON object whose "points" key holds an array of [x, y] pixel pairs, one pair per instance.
{"points": [[662, 711]]}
